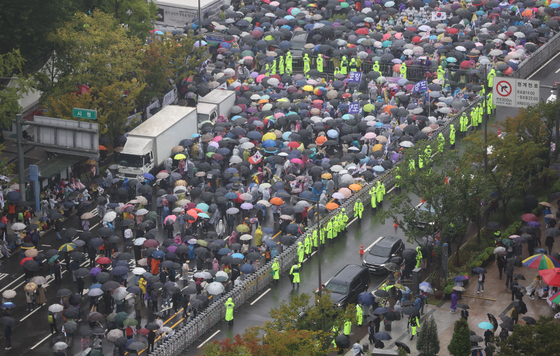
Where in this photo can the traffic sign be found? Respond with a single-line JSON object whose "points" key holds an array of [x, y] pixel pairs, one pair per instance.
{"points": [[517, 93], [84, 113]]}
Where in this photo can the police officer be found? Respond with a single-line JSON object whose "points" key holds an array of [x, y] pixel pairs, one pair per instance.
{"points": [[353, 65], [308, 245], [300, 252], [464, 122], [414, 323], [229, 311], [320, 63], [288, 63], [440, 74], [275, 271], [373, 195], [294, 272], [306, 64], [281, 65], [403, 70], [376, 67], [273, 67], [380, 193], [452, 136], [344, 65], [490, 78], [418, 257], [441, 142]]}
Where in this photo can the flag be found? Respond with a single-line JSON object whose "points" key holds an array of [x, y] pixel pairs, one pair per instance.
{"points": [[420, 86], [474, 18], [387, 144], [426, 36]]}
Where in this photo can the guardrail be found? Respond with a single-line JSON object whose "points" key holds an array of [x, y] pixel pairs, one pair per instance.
{"points": [[257, 281], [538, 58]]}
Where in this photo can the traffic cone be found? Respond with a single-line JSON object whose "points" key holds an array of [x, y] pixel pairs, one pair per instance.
{"points": [[396, 224], [422, 201], [361, 249], [499, 131]]}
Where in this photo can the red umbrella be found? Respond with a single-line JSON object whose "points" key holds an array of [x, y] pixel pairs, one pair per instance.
{"points": [[144, 331], [416, 39], [103, 260], [362, 31], [293, 144], [529, 218], [452, 30], [412, 29], [465, 64], [25, 259], [551, 276], [151, 243]]}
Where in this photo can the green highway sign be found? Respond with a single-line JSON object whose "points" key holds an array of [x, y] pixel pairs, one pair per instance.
{"points": [[84, 113]]}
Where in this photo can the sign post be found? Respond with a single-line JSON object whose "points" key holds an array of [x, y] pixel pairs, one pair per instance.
{"points": [[517, 93], [84, 113], [34, 177]]}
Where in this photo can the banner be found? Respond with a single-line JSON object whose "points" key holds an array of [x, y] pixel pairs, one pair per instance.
{"points": [[439, 16], [355, 77], [354, 108], [155, 104], [420, 86], [169, 98]]}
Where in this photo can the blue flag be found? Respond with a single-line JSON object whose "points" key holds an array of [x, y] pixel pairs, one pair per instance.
{"points": [[420, 86]]}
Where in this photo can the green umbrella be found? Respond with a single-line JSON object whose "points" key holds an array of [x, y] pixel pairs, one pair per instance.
{"points": [[368, 107], [121, 317], [507, 242], [111, 317], [130, 322], [152, 215], [53, 258], [202, 242], [344, 5], [247, 54]]}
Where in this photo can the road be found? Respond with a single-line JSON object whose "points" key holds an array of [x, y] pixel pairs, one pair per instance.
{"points": [[31, 336]]}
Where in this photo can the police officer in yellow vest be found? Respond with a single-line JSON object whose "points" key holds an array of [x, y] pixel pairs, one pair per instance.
{"points": [[489, 104], [452, 136], [490, 78], [288, 63], [353, 65], [273, 67], [336, 71], [306, 64], [267, 69], [344, 65], [281, 65], [464, 123], [376, 67], [294, 272], [418, 256], [403, 70], [440, 73], [414, 324], [320, 63]]}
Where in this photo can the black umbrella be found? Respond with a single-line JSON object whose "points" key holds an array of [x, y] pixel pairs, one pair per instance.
{"points": [[342, 341], [476, 338], [529, 320], [81, 272], [110, 285], [8, 321], [63, 293], [382, 335], [71, 313], [411, 311], [189, 290], [404, 346], [103, 277], [462, 306]]}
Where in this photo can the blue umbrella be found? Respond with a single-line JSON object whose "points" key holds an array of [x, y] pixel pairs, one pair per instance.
{"points": [[148, 176], [247, 268], [332, 133], [96, 285], [254, 135], [380, 310], [267, 230], [231, 195], [204, 215], [486, 325], [379, 169], [202, 206], [238, 255], [270, 243], [224, 251], [158, 254], [366, 298], [269, 143], [8, 305], [307, 195], [13, 196], [460, 278]]}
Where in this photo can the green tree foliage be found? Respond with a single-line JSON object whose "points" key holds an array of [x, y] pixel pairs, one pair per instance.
{"points": [[532, 340], [11, 65], [26, 24], [428, 340], [137, 15], [460, 344]]}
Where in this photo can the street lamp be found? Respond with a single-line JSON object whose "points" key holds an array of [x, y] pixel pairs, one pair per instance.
{"points": [[318, 214]]}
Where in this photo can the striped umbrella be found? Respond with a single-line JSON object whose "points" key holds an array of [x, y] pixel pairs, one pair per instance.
{"points": [[541, 261], [555, 298], [67, 247]]}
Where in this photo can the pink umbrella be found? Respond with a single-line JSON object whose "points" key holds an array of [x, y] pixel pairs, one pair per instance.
{"points": [[260, 78], [278, 115], [217, 139], [170, 219], [369, 136], [297, 160]]}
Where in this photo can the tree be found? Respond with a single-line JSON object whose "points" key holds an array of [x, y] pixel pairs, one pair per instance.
{"points": [[92, 50], [137, 15], [11, 65], [428, 339], [460, 344], [533, 340], [29, 23], [513, 159]]}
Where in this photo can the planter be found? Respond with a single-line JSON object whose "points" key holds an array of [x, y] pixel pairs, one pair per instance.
{"points": [[447, 296]]}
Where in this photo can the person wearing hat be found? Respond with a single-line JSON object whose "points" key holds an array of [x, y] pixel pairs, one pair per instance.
{"points": [[308, 245], [306, 64], [418, 256], [452, 136], [344, 65], [280, 65], [320, 63], [464, 122], [380, 193], [229, 310], [373, 195], [403, 70], [300, 252], [275, 271], [288, 61], [353, 65], [294, 272]]}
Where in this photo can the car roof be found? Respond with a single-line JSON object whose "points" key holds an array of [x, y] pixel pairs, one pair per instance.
{"points": [[345, 275], [388, 241]]}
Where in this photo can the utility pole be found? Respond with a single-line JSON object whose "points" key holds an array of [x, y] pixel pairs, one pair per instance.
{"points": [[485, 118], [199, 26], [21, 165]]}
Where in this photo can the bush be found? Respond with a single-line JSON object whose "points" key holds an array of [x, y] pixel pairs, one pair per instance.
{"points": [[460, 344], [428, 340], [448, 289]]}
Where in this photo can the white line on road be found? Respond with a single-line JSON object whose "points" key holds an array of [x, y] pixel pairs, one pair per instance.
{"points": [[558, 70], [40, 342], [45, 245], [350, 223], [262, 295], [210, 338], [390, 190], [373, 243], [544, 65], [14, 281], [28, 315]]}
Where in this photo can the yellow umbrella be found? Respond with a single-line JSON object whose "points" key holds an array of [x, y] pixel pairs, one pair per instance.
{"points": [[180, 156], [269, 136], [181, 182], [377, 147], [326, 176], [308, 88]]}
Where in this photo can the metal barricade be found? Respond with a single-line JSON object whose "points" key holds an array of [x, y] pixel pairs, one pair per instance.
{"points": [[538, 58]]}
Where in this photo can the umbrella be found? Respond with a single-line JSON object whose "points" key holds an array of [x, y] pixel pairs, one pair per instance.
{"points": [[56, 308], [462, 306], [9, 294], [486, 325], [342, 341], [382, 335], [541, 261], [551, 276], [402, 345], [8, 321], [59, 346]]}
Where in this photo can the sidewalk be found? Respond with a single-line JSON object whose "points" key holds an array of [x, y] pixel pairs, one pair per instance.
{"points": [[495, 300]]}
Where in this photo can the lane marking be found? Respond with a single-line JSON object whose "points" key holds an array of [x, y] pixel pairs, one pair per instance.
{"points": [[14, 281], [40, 342], [262, 295], [210, 338], [350, 223], [373, 243], [28, 315], [390, 190], [544, 65]]}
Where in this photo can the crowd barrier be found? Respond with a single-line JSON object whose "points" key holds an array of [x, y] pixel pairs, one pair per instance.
{"points": [[188, 334]]}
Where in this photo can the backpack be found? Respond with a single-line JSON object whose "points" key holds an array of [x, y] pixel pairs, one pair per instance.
{"points": [[20, 216], [51, 319]]}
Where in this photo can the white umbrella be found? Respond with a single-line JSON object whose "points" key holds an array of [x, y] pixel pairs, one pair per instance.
{"points": [[114, 334], [246, 237], [9, 294], [59, 346], [179, 189], [265, 203], [139, 241], [178, 210], [215, 288], [406, 144], [222, 274], [336, 168], [183, 202], [235, 159], [142, 212], [120, 293], [138, 271], [18, 226], [142, 200], [110, 216], [56, 308], [247, 145]]}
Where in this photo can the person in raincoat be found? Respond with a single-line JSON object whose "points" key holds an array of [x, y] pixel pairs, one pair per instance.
{"points": [[452, 136], [308, 245], [320, 63], [418, 257], [441, 143], [490, 78], [347, 327], [281, 65], [294, 272], [275, 271], [41, 298], [359, 314], [300, 252], [380, 193], [454, 299], [306, 64], [464, 123], [344, 219], [403, 70], [229, 311], [258, 236], [288, 63], [373, 195], [414, 323], [344, 65]]}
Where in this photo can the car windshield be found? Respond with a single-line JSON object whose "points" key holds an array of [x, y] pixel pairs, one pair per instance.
{"points": [[384, 251], [129, 160], [337, 288], [298, 41]]}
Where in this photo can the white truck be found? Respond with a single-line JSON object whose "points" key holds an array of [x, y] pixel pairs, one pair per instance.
{"points": [[217, 102], [151, 143]]}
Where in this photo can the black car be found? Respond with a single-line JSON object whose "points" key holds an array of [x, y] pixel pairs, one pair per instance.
{"points": [[347, 284], [425, 210], [382, 250]]}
